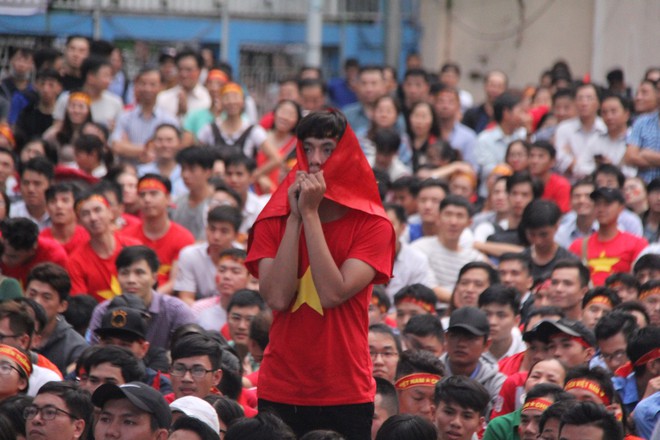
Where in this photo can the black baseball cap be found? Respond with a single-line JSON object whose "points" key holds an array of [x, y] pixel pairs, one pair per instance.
{"points": [[548, 328], [608, 194], [141, 395], [470, 319], [123, 321]]}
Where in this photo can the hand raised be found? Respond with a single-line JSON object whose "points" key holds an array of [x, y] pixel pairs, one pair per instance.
{"points": [[294, 194], [312, 189]]}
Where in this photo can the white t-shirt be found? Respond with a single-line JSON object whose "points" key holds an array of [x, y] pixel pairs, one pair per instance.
{"points": [[252, 143], [105, 110]]}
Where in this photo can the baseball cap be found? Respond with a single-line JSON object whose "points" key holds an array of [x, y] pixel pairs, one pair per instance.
{"points": [[471, 319], [608, 194], [547, 328], [127, 300], [199, 409], [123, 321], [140, 395]]}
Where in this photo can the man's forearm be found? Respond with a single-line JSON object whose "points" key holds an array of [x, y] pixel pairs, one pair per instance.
{"points": [[125, 148]]}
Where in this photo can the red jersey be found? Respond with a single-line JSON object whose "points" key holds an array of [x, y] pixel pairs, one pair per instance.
{"points": [[80, 236], [48, 251], [96, 276], [607, 257], [558, 190], [509, 398], [511, 364], [166, 247]]}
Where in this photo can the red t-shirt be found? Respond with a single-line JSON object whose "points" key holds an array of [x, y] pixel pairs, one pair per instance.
{"points": [[48, 251], [96, 276], [511, 364], [318, 356], [607, 257], [558, 189], [79, 237], [507, 401], [166, 247]]}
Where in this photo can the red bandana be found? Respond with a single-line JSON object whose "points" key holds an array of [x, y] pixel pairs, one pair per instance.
{"points": [[417, 380]]}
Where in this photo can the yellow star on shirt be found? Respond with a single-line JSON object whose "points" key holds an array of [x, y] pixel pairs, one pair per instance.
{"points": [[307, 294], [115, 289], [603, 263]]}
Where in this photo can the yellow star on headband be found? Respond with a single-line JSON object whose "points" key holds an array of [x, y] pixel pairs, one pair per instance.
{"points": [[307, 294], [603, 263]]}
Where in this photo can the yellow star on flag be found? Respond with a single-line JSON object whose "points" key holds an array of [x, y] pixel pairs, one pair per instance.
{"points": [[307, 294], [115, 289], [603, 263]]}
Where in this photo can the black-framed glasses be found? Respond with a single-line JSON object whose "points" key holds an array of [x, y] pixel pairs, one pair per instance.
{"points": [[6, 369], [48, 412], [180, 370]]}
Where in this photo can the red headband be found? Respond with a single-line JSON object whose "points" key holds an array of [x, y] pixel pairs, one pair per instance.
{"points": [[648, 357], [84, 97], [426, 306], [217, 75], [375, 301], [588, 385], [649, 292], [577, 339], [417, 380], [231, 87], [92, 198], [17, 356], [152, 184], [536, 404], [600, 299], [232, 258], [5, 130]]}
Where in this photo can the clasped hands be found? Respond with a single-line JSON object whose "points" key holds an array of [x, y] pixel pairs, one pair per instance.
{"points": [[306, 193]]}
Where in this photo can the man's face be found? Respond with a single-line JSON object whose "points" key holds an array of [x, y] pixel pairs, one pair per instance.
{"points": [[452, 221], [232, 276], [166, 143], [188, 72], [238, 178], [417, 401], [406, 310], [446, 105], [593, 312], [429, 343], [537, 350], [33, 188], [652, 304], [220, 235], [16, 257], [384, 355], [586, 102], [239, 320], [543, 239], [613, 350], [455, 422], [8, 337], [501, 319], [101, 79], [469, 286], [195, 176], [76, 52], [22, 64], [565, 289], [529, 424], [581, 201], [539, 162], [404, 198], [570, 352], [520, 196], [464, 348], [614, 115], [233, 103], [564, 108], [6, 166], [62, 427], [147, 87], [312, 98], [101, 374], [48, 89], [153, 203], [137, 279], [318, 151], [606, 180], [188, 385], [415, 89], [607, 213], [120, 419], [580, 432], [461, 185], [550, 430], [47, 297], [371, 86], [396, 224], [514, 274], [95, 217], [495, 85]]}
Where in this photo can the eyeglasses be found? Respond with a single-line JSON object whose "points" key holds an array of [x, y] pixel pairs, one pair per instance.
{"points": [[180, 370], [3, 337], [48, 412], [6, 369], [384, 354], [616, 356]]}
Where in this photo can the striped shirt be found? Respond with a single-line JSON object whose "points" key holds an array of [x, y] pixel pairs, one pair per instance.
{"points": [[645, 133]]}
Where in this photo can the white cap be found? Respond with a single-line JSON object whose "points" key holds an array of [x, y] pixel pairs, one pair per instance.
{"points": [[199, 409]]}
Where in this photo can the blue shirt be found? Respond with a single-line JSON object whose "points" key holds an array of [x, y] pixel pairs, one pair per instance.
{"points": [[645, 133], [646, 415], [138, 128], [340, 93], [463, 139]]}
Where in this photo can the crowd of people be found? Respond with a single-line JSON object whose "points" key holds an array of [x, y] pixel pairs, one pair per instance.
{"points": [[370, 259]]}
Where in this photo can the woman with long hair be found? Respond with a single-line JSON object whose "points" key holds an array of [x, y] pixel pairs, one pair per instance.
{"points": [[78, 112], [423, 130]]}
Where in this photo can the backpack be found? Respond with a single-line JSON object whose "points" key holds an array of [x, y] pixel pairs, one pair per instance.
{"points": [[226, 149]]}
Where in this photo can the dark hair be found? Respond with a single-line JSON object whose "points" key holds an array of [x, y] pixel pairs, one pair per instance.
{"points": [[406, 427], [389, 398], [198, 345], [78, 401], [521, 177], [524, 260], [164, 180], [133, 254], [555, 411], [382, 297], [62, 188], [506, 101], [459, 201], [225, 214], [625, 278], [398, 211], [601, 291], [547, 390], [646, 261], [570, 263], [386, 330], [610, 170], [463, 391], [545, 311], [234, 252], [12, 409], [44, 58], [92, 64], [418, 361], [417, 291], [410, 183], [109, 186], [19, 320], [48, 73], [321, 434], [502, 295], [589, 413], [240, 159], [626, 104], [322, 124], [539, 214], [79, 312], [265, 426], [596, 374], [39, 165], [200, 156], [35, 309], [19, 232], [260, 328], [312, 83], [231, 382], [189, 52], [641, 342], [227, 409], [614, 323], [451, 67], [587, 180], [186, 330], [66, 133], [370, 68], [170, 126], [246, 298], [425, 325], [219, 185], [120, 357], [90, 144], [386, 140], [54, 275], [295, 105], [432, 183], [493, 276], [634, 306], [545, 146], [149, 68], [418, 72], [187, 423], [435, 122], [526, 145]]}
